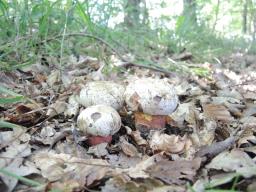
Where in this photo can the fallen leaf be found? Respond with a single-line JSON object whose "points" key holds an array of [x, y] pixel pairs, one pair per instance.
{"points": [[216, 180], [167, 143], [54, 78], [251, 187], [230, 93], [235, 161], [56, 108], [138, 171], [217, 112], [128, 148], [248, 122], [123, 160], [136, 136], [121, 184], [72, 107], [250, 110], [174, 172], [185, 112], [12, 158], [64, 167], [98, 150]]}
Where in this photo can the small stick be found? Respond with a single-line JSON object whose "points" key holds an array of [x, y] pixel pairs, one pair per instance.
{"points": [[216, 148]]}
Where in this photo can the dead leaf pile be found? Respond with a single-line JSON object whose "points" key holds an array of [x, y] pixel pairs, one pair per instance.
{"points": [[209, 141]]}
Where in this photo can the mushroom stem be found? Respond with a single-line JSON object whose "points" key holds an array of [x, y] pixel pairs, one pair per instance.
{"points": [[95, 140]]}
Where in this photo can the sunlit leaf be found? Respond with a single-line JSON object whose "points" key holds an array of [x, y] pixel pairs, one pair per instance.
{"points": [[8, 100], [4, 124]]}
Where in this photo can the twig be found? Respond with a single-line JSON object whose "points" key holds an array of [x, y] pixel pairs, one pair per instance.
{"points": [[126, 64], [216, 148], [244, 83]]}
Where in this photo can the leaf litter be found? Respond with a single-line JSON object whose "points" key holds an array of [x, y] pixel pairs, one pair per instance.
{"points": [[208, 141]]}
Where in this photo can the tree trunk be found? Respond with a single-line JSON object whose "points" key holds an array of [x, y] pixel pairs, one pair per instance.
{"points": [[189, 11], [216, 15], [245, 14], [254, 27], [132, 13]]}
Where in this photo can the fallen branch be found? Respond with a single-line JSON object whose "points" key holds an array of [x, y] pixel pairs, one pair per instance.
{"points": [[216, 148]]}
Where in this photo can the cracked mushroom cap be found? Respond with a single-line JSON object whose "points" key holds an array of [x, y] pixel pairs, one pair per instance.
{"points": [[151, 96], [102, 93], [99, 120]]}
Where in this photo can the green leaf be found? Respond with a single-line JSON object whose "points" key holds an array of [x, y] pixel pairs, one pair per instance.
{"points": [[8, 91], [8, 100], [4, 124], [85, 17], [3, 5], [200, 71], [20, 178]]}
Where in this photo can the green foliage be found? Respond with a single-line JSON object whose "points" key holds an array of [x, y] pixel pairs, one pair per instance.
{"points": [[14, 97], [23, 179], [30, 30], [4, 124]]}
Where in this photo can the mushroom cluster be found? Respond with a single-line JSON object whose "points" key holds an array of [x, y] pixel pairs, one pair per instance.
{"points": [[100, 120], [151, 100]]}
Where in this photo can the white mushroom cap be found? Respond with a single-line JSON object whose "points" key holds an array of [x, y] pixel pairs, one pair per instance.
{"points": [[102, 93], [99, 120], [151, 96]]}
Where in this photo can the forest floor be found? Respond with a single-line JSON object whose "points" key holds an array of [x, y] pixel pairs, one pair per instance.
{"points": [[209, 143]]}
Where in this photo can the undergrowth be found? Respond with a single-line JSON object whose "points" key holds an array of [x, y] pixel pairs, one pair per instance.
{"points": [[31, 31]]}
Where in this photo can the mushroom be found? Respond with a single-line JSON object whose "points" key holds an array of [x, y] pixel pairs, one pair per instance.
{"points": [[102, 93], [152, 100], [99, 123]]}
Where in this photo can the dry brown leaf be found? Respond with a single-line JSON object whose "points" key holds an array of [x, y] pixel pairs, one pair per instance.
{"points": [[217, 112], [250, 110], [136, 136], [185, 88], [98, 150], [72, 107], [204, 136], [224, 100], [123, 160], [167, 143], [56, 108], [236, 160], [63, 168], [54, 78], [251, 187], [229, 93], [138, 171], [251, 150], [12, 158], [24, 115], [248, 122], [120, 184], [185, 112], [128, 148], [175, 172]]}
